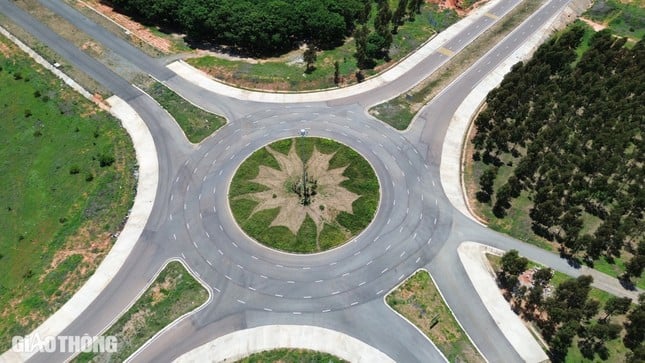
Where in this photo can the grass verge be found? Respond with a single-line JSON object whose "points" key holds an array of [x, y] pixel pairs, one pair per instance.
{"points": [[624, 18], [197, 123], [287, 73], [173, 293], [68, 171], [399, 111], [419, 301], [311, 237], [291, 356]]}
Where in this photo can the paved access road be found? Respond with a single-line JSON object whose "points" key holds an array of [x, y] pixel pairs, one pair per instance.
{"points": [[342, 289]]}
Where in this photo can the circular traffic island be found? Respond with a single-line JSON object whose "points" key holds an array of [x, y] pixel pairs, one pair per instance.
{"points": [[304, 195]]}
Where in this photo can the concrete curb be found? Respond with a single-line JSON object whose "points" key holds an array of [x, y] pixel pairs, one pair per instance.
{"points": [[242, 343], [201, 79], [451, 166], [472, 257], [146, 154]]}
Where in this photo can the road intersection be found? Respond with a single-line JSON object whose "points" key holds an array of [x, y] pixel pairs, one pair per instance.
{"points": [[415, 226]]}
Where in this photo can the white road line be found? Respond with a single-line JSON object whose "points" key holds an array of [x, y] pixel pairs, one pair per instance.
{"points": [[234, 244], [207, 234], [183, 256], [170, 216], [195, 244], [264, 277], [388, 247], [172, 196], [220, 228], [267, 309], [402, 254], [345, 274], [335, 292], [216, 289], [379, 292], [362, 283], [174, 236], [357, 253], [407, 210], [253, 257], [296, 313], [418, 259], [214, 189], [318, 281], [306, 297], [200, 215], [420, 216], [369, 262], [306, 268], [326, 310], [252, 288], [209, 263], [240, 267], [187, 187], [200, 196], [188, 225], [389, 220], [435, 221], [333, 263], [214, 210], [291, 282], [240, 301], [376, 239], [354, 303], [384, 270], [279, 266], [220, 252], [228, 277], [415, 235], [401, 277]]}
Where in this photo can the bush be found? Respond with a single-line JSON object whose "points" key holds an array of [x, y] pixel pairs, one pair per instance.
{"points": [[106, 160], [74, 169]]}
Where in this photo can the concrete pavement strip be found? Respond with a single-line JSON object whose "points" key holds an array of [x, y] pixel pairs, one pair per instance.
{"points": [[237, 345]]}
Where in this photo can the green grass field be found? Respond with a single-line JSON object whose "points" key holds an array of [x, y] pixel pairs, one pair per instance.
{"points": [[362, 181], [291, 356], [67, 170], [624, 18], [289, 76], [173, 293], [196, 123], [419, 301]]}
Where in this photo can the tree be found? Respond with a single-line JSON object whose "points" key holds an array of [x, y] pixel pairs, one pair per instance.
{"points": [[542, 276], [513, 264], [360, 37], [336, 73], [309, 57], [397, 16], [635, 325], [616, 305]]}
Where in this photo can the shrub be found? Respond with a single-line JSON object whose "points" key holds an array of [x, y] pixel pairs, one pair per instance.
{"points": [[74, 169], [106, 160]]}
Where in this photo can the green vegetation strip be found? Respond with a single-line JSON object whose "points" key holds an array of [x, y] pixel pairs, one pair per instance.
{"points": [[361, 180], [399, 111], [287, 74], [291, 356], [419, 301], [624, 18], [173, 293], [67, 170], [196, 123]]}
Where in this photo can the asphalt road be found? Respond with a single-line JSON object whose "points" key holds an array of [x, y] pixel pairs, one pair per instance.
{"points": [[342, 289]]}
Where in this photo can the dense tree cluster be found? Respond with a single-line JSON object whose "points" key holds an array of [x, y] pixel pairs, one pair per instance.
{"points": [[255, 26], [568, 313], [572, 130]]}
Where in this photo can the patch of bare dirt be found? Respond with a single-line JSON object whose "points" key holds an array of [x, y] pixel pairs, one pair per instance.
{"points": [[595, 25], [5, 50], [331, 197], [135, 28], [136, 322], [457, 5], [157, 290]]}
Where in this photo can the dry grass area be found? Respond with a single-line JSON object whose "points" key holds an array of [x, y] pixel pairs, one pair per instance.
{"points": [[419, 301]]}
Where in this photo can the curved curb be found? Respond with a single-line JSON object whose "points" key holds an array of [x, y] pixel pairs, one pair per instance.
{"points": [[201, 79], [146, 154], [242, 343], [451, 166], [471, 255]]}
